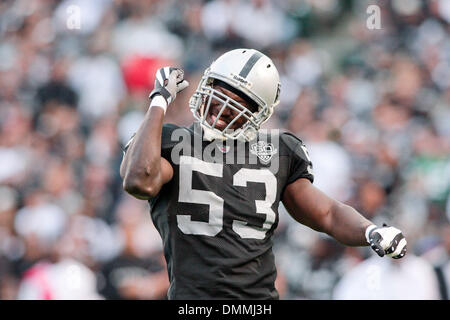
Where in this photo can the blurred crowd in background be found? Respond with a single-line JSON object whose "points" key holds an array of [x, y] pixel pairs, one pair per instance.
{"points": [[372, 106]]}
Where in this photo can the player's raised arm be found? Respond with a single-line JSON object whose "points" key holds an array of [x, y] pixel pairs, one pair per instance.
{"points": [[310, 206], [143, 170]]}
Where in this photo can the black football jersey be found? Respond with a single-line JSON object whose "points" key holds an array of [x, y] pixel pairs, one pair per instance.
{"points": [[217, 215]]}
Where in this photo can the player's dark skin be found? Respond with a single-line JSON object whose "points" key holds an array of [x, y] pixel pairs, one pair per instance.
{"points": [[228, 114], [144, 172]]}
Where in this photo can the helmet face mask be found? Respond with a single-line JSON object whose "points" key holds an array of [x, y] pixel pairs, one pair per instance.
{"points": [[260, 86]]}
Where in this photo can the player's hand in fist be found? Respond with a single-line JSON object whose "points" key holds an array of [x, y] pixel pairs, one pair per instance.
{"points": [[386, 240], [168, 82]]}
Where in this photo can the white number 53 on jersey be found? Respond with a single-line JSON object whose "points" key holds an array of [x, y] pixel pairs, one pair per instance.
{"points": [[215, 221]]}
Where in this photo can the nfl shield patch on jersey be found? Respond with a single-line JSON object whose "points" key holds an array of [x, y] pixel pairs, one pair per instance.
{"points": [[263, 150]]}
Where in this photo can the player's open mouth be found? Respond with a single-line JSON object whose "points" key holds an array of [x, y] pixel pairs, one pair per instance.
{"points": [[220, 123]]}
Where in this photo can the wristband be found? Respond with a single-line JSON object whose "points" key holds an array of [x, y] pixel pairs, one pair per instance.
{"points": [[368, 230], [159, 101]]}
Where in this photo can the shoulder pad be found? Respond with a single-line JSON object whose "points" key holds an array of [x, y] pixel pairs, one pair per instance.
{"points": [[295, 146], [290, 140]]}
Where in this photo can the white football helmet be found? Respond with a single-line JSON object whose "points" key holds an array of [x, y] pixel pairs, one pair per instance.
{"points": [[248, 71]]}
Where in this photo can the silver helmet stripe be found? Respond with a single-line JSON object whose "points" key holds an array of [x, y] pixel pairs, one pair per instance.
{"points": [[249, 64]]}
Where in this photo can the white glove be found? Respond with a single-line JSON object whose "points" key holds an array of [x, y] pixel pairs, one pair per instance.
{"points": [[168, 82], [386, 240]]}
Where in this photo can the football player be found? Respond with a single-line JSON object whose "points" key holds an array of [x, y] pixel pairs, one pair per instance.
{"points": [[216, 218]]}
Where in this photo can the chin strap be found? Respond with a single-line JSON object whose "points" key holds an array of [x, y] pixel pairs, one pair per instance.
{"points": [[210, 135]]}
